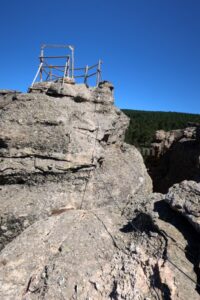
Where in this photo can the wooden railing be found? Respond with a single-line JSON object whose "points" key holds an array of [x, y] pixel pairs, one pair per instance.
{"points": [[66, 71]]}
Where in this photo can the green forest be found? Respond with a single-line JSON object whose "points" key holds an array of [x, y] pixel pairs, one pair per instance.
{"points": [[143, 124]]}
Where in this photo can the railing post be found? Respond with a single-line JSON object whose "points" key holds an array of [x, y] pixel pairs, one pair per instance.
{"points": [[99, 72], [72, 70], [50, 73], [41, 62], [67, 68], [86, 74], [38, 71]]}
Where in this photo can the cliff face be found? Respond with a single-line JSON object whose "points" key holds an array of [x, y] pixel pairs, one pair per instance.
{"points": [[176, 157], [78, 220], [59, 146]]}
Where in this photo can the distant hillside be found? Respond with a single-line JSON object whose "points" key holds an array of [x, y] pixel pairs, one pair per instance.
{"points": [[143, 124]]}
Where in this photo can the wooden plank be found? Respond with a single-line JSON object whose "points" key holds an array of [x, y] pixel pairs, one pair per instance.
{"points": [[78, 69], [93, 74], [92, 67], [66, 56], [52, 67], [56, 46], [86, 75], [81, 76]]}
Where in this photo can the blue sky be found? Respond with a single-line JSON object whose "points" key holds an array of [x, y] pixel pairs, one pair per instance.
{"points": [[150, 48]]}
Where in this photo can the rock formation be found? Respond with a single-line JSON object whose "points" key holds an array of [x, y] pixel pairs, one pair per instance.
{"points": [[185, 198], [175, 157], [78, 217]]}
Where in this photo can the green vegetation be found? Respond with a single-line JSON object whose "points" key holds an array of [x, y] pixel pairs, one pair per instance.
{"points": [[143, 124]]}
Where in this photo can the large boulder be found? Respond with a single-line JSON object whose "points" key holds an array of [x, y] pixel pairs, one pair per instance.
{"points": [[165, 233], [185, 199], [59, 153]]}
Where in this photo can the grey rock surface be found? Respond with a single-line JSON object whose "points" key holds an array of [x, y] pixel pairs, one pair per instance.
{"points": [[78, 220], [166, 234], [163, 140], [7, 96], [90, 259], [42, 135], [185, 198], [56, 153]]}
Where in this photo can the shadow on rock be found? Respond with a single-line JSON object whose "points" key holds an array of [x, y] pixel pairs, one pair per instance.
{"points": [[192, 248]]}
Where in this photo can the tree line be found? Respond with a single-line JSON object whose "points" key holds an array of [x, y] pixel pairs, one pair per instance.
{"points": [[143, 124]]}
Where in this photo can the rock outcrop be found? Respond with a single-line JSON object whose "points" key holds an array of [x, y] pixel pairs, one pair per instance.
{"points": [[6, 96], [78, 217], [60, 147], [185, 198], [175, 157]]}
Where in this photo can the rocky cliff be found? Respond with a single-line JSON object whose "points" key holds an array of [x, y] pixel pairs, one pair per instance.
{"points": [[78, 217], [175, 157]]}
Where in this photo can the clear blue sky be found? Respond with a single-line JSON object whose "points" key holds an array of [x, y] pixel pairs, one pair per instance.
{"points": [[150, 48]]}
